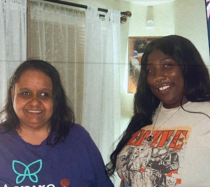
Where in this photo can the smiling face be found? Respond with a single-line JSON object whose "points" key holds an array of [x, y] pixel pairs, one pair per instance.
{"points": [[165, 79], [32, 100]]}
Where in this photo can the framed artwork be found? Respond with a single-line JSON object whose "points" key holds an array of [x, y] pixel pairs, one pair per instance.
{"points": [[136, 48]]}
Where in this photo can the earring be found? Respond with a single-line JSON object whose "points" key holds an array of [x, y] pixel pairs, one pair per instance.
{"points": [[155, 80]]}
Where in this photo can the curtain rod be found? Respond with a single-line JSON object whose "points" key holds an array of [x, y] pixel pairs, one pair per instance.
{"points": [[124, 15]]}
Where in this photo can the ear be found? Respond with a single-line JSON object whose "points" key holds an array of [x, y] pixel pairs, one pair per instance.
{"points": [[12, 91]]}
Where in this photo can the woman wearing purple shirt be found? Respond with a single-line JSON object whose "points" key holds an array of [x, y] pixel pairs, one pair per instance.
{"points": [[40, 145]]}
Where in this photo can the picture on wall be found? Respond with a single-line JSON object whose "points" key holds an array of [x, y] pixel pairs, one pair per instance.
{"points": [[136, 48]]}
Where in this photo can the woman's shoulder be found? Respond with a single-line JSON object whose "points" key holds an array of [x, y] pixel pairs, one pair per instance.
{"points": [[79, 136], [78, 130], [198, 106]]}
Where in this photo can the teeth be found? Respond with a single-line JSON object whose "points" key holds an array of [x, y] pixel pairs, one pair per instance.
{"points": [[34, 111], [163, 88]]}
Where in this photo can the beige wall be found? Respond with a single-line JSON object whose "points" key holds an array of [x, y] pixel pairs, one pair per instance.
{"points": [[190, 21], [163, 20]]}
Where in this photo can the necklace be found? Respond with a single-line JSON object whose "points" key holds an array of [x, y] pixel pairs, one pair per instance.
{"points": [[150, 137]]}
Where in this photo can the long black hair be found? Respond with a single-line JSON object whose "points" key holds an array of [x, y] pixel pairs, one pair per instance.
{"points": [[62, 118], [196, 85]]}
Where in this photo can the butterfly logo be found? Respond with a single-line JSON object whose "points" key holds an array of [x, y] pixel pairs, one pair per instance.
{"points": [[27, 170]]}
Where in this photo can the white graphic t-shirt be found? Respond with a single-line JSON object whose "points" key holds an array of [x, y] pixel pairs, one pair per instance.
{"points": [[178, 154]]}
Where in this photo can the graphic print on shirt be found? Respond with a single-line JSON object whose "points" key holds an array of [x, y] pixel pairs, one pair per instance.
{"points": [[144, 163], [31, 170]]}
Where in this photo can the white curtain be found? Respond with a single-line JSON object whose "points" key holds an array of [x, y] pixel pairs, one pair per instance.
{"points": [[12, 40], [57, 36], [101, 111], [86, 51]]}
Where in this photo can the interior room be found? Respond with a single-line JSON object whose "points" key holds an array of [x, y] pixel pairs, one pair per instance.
{"points": [[108, 106]]}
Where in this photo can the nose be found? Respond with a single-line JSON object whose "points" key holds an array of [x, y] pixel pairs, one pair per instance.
{"points": [[159, 76], [34, 101]]}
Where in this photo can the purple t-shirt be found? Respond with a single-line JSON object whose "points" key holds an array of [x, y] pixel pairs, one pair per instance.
{"points": [[77, 159]]}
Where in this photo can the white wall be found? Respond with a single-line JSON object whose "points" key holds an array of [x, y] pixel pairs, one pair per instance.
{"points": [[163, 20], [190, 21]]}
